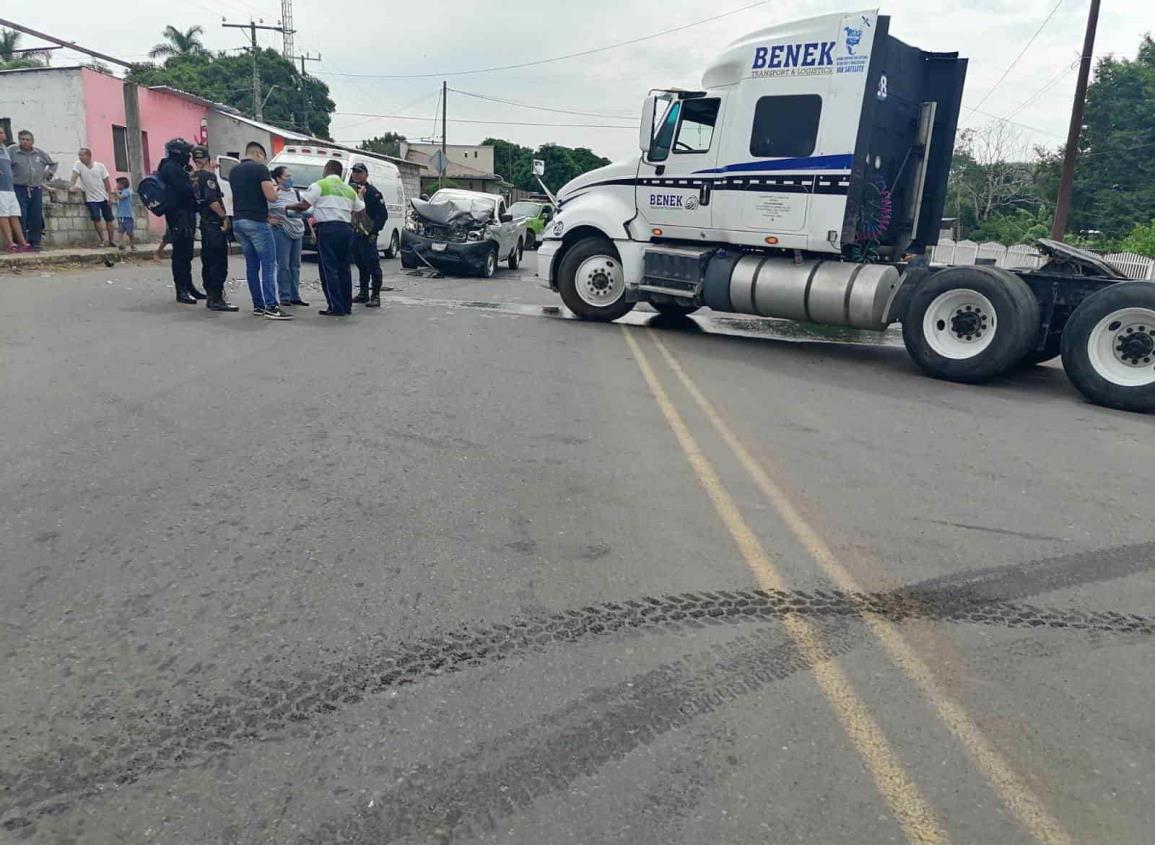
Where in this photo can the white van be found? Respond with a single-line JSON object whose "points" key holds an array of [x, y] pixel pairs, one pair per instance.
{"points": [[307, 163]]}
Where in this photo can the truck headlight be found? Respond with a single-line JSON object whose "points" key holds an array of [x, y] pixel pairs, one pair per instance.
{"points": [[473, 236]]}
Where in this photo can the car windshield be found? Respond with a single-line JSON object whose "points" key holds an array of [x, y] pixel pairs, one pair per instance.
{"points": [[525, 209]]}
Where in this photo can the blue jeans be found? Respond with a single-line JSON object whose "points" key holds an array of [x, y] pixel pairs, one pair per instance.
{"points": [[31, 211], [288, 265], [256, 240]]}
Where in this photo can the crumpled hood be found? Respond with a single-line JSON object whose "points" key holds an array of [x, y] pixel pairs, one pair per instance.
{"points": [[627, 169], [454, 211]]}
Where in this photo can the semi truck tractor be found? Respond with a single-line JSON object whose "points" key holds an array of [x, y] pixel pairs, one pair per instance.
{"points": [[805, 180]]}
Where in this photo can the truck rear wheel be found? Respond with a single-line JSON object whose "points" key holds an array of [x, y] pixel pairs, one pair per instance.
{"points": [[970, 324], [1109, 347], [592, 281]]}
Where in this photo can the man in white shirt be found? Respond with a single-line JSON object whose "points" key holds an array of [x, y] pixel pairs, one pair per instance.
{"points": [[333, 203], [93, 179]]}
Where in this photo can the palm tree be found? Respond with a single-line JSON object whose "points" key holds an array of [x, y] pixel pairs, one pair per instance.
{"points": [[11, 56], [177, 43]]}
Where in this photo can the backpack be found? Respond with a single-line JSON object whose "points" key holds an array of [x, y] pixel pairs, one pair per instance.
{"points": [[153, 194]]}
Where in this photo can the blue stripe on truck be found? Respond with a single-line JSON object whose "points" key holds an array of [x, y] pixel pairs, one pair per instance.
{"points": [[840, 162]]}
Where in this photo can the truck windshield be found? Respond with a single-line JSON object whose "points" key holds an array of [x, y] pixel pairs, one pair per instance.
{"points": [[525, 209]]}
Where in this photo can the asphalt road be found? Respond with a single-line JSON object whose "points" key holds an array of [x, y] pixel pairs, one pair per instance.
{"points": [[468, 570]]}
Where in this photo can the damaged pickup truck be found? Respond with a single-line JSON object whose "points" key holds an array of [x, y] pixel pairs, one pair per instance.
{"points": [[462, 233]]}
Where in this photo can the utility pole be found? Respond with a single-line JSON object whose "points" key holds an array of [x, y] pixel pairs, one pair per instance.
{"points": [[305, 57], [1066, 180], [444, 131], [252, 26]]}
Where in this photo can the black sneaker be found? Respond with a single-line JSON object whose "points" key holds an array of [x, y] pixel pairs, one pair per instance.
{"points": [[220, 305], [258, 312], [277, 314], [361, 298], [374, 302], [299, 302]]}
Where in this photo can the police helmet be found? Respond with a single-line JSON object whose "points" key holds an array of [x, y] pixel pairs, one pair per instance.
{"points": [[178, 147]]}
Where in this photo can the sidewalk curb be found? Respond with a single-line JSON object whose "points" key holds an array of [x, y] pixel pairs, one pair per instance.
{"points": [[109, 257]]}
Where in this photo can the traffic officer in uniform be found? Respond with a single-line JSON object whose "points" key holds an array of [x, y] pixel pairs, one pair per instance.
{"points": [[214, 242], [333, 203], [366, 227], [180, 217]]}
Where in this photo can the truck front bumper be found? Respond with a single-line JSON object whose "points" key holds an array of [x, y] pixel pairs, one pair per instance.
{"points": [[546, 251], [456, 259]]}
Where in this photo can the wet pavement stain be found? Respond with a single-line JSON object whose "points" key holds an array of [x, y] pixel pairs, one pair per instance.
{"points": [[265, 709], [706, 323]]}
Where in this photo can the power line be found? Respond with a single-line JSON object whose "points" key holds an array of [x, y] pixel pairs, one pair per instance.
{"points": [[998, 119], [490, 122], [538, 62], [540, 108], [1055, 81], [1022, 53]]}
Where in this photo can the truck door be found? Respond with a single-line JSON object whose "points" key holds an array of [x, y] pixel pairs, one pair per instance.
{"points": [[672, 195]]}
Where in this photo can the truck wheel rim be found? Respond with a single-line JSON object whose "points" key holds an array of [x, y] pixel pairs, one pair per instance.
{"points": [[600, 281], [1121, 347], [959, 324]]}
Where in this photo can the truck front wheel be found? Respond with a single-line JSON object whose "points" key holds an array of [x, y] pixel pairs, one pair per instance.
{"points": [[1109, 347], [592, 281], [970, 324]]}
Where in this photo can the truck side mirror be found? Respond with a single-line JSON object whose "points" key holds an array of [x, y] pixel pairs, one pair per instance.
{"points": [[505, 217], [646, 130]]}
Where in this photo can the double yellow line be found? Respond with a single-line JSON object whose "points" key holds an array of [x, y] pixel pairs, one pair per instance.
{"points": [[919, 822]]}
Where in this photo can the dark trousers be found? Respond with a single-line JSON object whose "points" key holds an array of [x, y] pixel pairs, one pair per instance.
{"points": [[181, 226], [335, 246], [368, 261], [31, 212], [214, 259]]}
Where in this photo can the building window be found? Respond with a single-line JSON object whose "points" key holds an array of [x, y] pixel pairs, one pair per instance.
{"points": [[120, 149], [786, 126]]}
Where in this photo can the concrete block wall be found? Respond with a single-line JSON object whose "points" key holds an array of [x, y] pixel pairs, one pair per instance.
{"points": [[66, 221]]}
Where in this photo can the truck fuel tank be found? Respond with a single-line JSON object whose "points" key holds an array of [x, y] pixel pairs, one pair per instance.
{"points": [[837, 293]]}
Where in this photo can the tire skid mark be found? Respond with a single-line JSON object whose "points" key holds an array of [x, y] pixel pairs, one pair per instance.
{"points": [[465, 796], [265, 710]]}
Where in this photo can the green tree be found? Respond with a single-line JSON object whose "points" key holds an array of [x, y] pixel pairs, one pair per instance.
{"points": [[13, 57], [1140, 239], [1115, 180], [562, 164], [290, 99], [388, 144], [179, 43]]}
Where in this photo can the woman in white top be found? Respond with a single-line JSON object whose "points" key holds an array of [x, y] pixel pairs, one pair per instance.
{"points": [[288, 230]]}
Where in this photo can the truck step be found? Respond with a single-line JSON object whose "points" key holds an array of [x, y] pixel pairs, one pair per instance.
{"points": [[675, 270]]}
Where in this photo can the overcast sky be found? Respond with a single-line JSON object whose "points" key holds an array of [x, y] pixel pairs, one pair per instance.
{"points": [[360, 39]]}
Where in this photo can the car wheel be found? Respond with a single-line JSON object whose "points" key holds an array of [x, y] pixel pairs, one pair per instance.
{"points": [[394, 246], [515, 256], [490, 267]]}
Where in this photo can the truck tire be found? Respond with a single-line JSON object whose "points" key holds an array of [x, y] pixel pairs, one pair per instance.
{"points": [[592, 282], [394, 245], [675, 309], [1109, 347], [515, 256], [970, 324], [489, 269]]}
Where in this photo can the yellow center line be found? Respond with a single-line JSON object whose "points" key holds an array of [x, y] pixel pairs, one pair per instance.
{"points": [[917, 819], [1012, 790]]}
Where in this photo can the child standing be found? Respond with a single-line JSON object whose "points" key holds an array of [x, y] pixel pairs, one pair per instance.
{"points": [[125, 214]]}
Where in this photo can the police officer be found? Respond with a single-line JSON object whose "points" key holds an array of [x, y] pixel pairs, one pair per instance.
{"points": [[180, 216], [214, 244], [366, 227]]}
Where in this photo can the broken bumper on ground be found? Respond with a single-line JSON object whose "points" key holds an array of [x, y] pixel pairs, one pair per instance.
{"points": [[455, 258]]}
